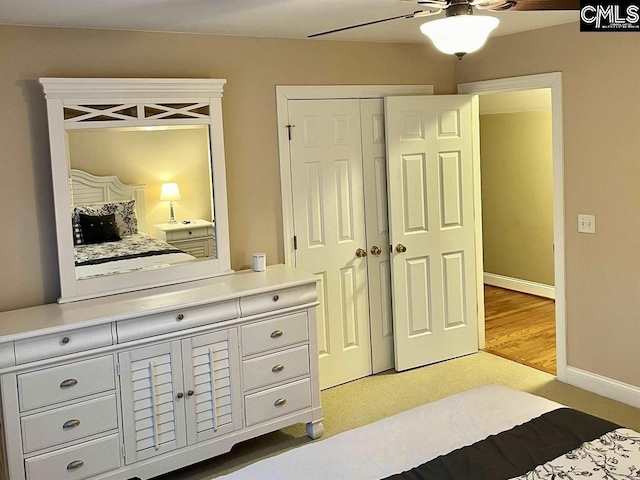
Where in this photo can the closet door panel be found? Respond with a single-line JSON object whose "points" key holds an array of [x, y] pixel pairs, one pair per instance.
{"points": [[329, 212]]}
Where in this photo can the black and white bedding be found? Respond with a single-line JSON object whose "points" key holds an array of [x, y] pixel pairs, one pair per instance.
{"points": [[490, 432], [134, 252], [106, 241]]}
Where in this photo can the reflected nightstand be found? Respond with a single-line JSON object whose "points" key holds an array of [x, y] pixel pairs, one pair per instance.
{"points": [[195, 238]]}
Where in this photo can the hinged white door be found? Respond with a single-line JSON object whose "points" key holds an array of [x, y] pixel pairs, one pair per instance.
{"points": [[328, 198], [153, 413], [430, 147], [211, 384]]}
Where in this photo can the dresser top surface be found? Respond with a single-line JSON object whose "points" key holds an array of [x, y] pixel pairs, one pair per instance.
{"points": [[54, 317]]}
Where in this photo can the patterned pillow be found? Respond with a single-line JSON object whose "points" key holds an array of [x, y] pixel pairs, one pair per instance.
{"points": [[125, 215]]}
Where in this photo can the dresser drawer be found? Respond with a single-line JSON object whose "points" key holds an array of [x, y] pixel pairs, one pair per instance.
{"points": [[278, 401], [177, 320], [276, 367], [77, 462], [275, 333], [66, 382], [199, 248], [289, 297], [65, 424], [54, 345], [189, 234]]}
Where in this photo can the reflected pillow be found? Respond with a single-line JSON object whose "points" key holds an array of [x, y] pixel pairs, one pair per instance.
{"points": [[125, 215], [99, 228]]}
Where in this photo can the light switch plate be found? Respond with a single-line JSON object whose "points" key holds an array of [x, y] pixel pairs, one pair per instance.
{"points": [[586, 223]]}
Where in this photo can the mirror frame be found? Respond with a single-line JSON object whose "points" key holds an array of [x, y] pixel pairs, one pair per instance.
{"points": [[134, 94]]}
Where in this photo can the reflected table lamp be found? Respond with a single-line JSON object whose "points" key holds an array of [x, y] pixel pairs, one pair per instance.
{"points": [[170, 192]]}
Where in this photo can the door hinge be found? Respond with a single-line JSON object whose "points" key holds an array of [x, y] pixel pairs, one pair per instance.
{"points": [[122, 450], [295, 242], [289, 127]]}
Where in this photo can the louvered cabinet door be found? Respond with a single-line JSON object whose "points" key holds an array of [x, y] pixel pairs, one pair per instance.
{"points": [[152, 400], [211, 382]]}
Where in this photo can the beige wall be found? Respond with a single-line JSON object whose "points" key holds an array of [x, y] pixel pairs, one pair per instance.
{"points": [[253, 67], [517, 195], [601, 105]]}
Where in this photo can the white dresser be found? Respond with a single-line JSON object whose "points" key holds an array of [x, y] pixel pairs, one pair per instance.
{"points": [[139, 384]]}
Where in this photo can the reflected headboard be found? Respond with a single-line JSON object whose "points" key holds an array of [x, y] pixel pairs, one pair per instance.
{"points": [[88, 189]]}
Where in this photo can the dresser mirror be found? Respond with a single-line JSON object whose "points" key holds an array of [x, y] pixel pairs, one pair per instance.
{"points": [[139, 183]]}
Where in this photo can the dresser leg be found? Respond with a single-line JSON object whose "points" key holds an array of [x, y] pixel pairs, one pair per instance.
{"points": [[315, 429]]}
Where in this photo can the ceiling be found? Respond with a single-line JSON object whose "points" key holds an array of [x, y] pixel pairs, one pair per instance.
{"points": [[256, 18]]}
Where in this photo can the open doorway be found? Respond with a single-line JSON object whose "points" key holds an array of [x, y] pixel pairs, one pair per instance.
{"points": [[516, 161]]}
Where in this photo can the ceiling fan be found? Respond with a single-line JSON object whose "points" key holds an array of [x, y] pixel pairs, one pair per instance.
{"points": [[459, 32]]}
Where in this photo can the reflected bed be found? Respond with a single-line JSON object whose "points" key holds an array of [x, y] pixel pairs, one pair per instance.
{"points": [[109, 221]]}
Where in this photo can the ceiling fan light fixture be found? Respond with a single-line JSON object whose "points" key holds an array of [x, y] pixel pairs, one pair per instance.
{"points": [[460, 34]]}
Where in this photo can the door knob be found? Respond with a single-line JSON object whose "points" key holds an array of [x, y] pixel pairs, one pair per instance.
{"points": [[361, 253], [375, 250], [401, 248]]}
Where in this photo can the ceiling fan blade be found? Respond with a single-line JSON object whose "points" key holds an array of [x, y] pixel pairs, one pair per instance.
{"points": [[530, 5], [409, 15], [516, 5]]}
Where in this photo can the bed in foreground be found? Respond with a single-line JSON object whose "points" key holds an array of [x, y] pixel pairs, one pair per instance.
{"points": [[491, 432]]}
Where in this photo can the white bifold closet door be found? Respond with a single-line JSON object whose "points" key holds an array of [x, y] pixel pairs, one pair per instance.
{"points": [[340, 180]]}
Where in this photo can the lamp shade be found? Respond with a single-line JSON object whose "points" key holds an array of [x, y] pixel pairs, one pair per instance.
{"points": [[170, 191], [460, 34]]}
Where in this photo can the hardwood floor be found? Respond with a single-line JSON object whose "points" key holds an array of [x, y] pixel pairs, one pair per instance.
{"points": [[520, 327]]}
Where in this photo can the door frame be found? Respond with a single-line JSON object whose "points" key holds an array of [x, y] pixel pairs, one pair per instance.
{"points": [[552, 81], [318, 92]]}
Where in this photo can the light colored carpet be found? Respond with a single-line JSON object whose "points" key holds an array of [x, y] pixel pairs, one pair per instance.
{"points": [[372, 398]]}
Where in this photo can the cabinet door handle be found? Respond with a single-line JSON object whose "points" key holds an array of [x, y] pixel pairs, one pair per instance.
{"points": [[277, 368], [276, 334], [276, 298], [69, 382], [190, 393], [279, 402], [180, 395], [71, 423], [75, 464]]}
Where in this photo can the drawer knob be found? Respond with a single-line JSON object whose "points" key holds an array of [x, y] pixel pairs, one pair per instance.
{"points": [[276, 334], [180, 317], [180, 395], [65, 340], [69, 382], [276, 298], [277, 368], [279, 402], [71, 423], [75, 464]]}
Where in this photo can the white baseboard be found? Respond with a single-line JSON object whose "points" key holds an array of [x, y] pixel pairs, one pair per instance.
{"points": [[604, 386], [517, 285]]}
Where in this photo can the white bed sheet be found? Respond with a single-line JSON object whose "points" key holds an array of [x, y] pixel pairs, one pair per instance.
{"points": [[405, 440], [131, 265]]}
